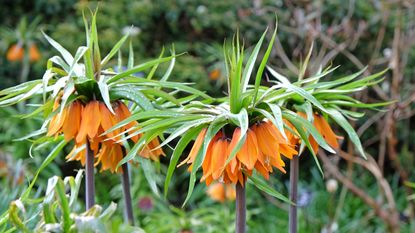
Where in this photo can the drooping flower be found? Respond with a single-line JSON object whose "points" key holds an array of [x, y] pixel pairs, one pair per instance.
{"points": [[261, 151], [221, 192], [214, 74], [324, 129], [86, 123], [34, 54], [15, 53]]}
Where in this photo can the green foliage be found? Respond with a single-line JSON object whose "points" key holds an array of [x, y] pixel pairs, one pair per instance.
{"points": [[199, 27]]}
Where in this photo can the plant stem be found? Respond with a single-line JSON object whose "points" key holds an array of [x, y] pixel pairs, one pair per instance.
{"points": [[240, 222], [294, 164], [89, 177], [125, 180]]}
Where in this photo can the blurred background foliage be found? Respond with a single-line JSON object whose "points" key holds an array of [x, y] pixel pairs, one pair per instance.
{"points": [[353, 196]]}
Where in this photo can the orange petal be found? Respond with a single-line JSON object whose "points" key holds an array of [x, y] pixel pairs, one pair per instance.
{"points": [[195, 149], [56, 122], [73, 120], [230, 192], [108, 120], [326, 131], [219, 157], [94, 119], [262, 170], [217, 192], [248, 154], [207, 162]]}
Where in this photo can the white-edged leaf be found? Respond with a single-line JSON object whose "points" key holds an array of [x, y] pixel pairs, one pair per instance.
{"points": [[103, 89], [65, 54], [342, 122]]}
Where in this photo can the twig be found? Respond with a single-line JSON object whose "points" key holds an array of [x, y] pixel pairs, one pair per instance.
{"points": [[389, 216]]}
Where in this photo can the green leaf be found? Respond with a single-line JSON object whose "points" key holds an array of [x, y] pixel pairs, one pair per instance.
{"points": [[32, 134], [67, 91], [114, 50], [292, 117], [130, 64], [132, 93], [177, 152], [103, 89], [65, 54], [139, 68], [241, 119], [75, 184], [161, 94], [23, 87], [67, 221], [304, 138], [140, 144], [52, 155], [45, 80], [300, 91], [366, 81], [147, 115], [149, 173], [278, 122], [89, 68], [108, 212], [14, 208], [184, 128], [22, 97], [60, 62], [262, 66], [213, 128], [95, 46], [251, 62], [339, 81], [263, 186], [74, 65], [174, 85], [305, 64], [171, 66], [153, 70], [339, 119], [164, 123]]}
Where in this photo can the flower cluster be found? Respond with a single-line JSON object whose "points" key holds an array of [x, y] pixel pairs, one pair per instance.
{"points": [[262, 150], [86, 123], [16, 53]]}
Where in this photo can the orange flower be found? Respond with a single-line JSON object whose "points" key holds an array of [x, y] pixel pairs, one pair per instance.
{"points": [[221, 192], [262, 151], [15, 53], [81, 122], [34, 54], [214, 74], [324, 129]]}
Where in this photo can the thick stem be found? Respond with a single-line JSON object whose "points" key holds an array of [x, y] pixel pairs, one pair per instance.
{"points": [[89, 177], [293, 194], [125, 180], [240, 222]]}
